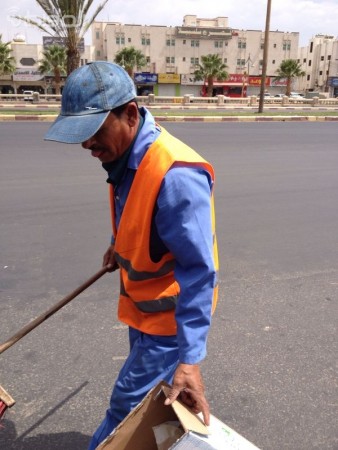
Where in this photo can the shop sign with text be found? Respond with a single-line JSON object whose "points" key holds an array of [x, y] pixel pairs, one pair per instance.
{"points": [[187, 79], [169, 78], [27, 75], [145, 78]]}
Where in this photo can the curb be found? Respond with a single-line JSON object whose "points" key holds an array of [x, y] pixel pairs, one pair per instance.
{"points": [[211, 119]]}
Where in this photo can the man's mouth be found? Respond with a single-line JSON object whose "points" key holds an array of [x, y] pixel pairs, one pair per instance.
{"points": [[97, 153]]}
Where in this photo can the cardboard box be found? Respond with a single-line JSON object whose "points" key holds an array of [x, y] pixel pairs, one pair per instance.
{"points": [[137, 431]]}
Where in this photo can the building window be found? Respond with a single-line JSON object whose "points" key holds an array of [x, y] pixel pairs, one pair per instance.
{"points": [[308, 78], [218, 44], [322, 58], [183, 59], [274, 45], [170, 60], [98, 53], [304, 60], [120, 40], [225, 60], [320, 72], [194, 61], [184, 41], [273, 61], [145, 41], [311, 47], [129, 39], [240, 62], [241, 44], [195, 43], [309, 62], [328, 57], [286, 46], [97, 35], [148, 59], [262, 45]]}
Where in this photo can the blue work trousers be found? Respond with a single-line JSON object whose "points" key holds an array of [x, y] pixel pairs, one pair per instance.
{"points": [[151, 359]]}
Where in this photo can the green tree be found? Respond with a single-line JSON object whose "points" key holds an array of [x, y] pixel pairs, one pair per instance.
{"points": [[129, 58], [66, 19], [7, 62], [289, 69], [212, 68], [54, 60]]}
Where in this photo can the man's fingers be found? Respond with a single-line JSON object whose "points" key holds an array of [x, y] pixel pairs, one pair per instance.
{"points": [[172, 396]]}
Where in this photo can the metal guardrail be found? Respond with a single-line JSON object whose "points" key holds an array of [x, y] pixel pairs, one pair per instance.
{"points": [[187, 100]]}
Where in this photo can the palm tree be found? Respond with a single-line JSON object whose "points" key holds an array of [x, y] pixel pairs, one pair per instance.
{"points": [[7, 62], [211, 68], [54, 60], [129, 58], [289, 69], [66, 19]]}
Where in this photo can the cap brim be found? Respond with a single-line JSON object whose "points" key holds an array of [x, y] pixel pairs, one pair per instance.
{"points": [[75, 129]]}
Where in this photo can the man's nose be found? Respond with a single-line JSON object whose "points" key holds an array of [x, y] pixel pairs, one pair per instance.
{"points": [[87, 144]]}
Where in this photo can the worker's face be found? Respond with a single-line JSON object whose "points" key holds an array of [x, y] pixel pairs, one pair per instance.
{"points": [[115, 135]]}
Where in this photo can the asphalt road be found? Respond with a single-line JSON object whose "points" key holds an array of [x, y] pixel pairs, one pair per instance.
{"points": [[271, 371]]}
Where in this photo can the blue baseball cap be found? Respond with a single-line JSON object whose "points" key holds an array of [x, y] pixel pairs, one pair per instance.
{"points": [[89, 94]]}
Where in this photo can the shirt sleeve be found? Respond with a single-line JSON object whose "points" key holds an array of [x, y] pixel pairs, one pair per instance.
{"points": [[183, 222]]}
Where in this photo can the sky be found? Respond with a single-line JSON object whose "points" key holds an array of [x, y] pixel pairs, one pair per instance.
{"points": [[308, 17]]}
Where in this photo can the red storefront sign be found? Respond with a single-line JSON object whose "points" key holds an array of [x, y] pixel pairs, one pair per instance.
{"points": [[239, 78]]}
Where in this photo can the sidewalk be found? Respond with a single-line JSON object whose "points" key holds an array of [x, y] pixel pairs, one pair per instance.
{"points": [[211, 119], [237, 116]]}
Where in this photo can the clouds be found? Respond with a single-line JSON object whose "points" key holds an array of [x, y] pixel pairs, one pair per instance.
{"points": [[308, 17]]}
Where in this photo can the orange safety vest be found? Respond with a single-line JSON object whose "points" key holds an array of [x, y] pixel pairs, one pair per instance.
{"points": [[148, 291]]}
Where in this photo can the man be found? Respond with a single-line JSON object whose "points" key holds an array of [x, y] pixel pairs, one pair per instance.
{"points": [[163, 236]]}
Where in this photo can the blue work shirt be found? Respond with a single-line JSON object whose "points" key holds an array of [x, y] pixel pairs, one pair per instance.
{"points": [[183, 226]]}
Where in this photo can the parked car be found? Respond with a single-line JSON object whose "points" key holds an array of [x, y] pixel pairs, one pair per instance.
{"points": [[28, 96], [279, 95], [296, 95]]}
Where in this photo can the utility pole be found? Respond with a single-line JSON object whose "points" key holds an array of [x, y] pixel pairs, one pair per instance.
{"points": [[265, 57]]}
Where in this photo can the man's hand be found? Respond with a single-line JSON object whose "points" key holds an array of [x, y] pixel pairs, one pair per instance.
{"points": [[109, 259], [188, 385]]}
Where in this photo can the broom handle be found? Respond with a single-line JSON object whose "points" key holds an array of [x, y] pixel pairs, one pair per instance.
{"points": [[34, 323]]}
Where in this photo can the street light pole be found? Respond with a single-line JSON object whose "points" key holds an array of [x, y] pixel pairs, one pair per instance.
{"points": [[246, 75], [265, 56]]}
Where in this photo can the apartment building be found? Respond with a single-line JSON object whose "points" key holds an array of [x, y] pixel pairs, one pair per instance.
{"points": [[319, 61], [173, 53]]}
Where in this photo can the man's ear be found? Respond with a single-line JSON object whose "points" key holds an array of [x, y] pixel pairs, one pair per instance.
{"points": [[132, 114]]}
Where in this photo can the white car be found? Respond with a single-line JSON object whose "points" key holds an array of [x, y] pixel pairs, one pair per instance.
{"points": [[28, 96], [296, 96]]}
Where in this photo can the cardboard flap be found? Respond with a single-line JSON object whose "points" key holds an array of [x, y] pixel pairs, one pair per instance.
{"points": [[189, 420]]}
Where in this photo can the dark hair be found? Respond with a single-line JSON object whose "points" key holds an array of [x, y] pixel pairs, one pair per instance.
{"points": [[119, 110]]}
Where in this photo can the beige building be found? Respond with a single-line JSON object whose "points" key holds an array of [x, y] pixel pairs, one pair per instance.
{"points": [[27, 75], [320, 63], [173, 53]]}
